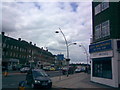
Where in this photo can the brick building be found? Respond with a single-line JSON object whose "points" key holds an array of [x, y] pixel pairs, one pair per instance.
{"points": [[20, 52]]}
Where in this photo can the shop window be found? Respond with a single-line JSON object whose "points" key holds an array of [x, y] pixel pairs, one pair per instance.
{"points": [[102, 67], [118, 45]]}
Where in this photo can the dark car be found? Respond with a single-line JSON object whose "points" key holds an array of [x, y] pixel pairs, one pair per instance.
{"points": [[38, 78]]}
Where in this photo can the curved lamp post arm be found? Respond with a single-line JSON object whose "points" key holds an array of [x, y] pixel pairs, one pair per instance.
{"points": [[66, 43], [72, 44], [85, 51]]}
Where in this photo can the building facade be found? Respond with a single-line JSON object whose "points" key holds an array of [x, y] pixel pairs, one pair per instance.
{"points": [[20, 52], [105, 45]]}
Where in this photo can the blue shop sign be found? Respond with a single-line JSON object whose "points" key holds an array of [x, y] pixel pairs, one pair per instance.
{"points": [[60, 57], [102, 46]]}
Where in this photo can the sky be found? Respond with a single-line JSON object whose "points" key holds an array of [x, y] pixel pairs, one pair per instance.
{"points": [[37, 22]]}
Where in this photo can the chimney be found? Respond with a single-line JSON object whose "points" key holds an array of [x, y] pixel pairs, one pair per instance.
{"points": [[3, 33], [19, 39]]}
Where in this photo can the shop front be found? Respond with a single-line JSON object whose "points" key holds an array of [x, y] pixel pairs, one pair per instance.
{"points": [[104, 65]]}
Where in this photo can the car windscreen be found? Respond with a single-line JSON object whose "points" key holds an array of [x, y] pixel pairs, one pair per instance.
{"points": [[39, 73]]}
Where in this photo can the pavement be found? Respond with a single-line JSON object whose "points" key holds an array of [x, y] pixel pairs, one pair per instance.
{"points": [[77, 80]]}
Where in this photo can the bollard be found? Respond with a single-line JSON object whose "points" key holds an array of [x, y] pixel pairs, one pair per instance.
{"points": [[21, 88], [22, 85], [5, 73]]}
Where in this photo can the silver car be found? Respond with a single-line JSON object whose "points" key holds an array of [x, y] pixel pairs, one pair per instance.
{"points": [[24, 69]]}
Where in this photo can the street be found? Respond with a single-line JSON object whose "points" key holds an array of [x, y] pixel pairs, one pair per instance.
{"points": [[13, 78]]}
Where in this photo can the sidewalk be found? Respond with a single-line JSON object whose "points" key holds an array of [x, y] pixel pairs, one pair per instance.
{"points": [[78, 80]]}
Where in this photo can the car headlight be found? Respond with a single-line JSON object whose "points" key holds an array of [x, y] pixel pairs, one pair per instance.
{"points": [[37, 81], [49, 81]]}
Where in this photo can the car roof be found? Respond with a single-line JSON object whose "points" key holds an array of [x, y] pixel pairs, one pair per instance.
{"points": [[37, 70]]}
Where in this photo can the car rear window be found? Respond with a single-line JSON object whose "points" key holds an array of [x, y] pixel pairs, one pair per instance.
{"points": [[38, 73]]}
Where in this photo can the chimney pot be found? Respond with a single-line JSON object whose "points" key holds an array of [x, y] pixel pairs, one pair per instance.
{"points": [[30, 42], [19, 39]]}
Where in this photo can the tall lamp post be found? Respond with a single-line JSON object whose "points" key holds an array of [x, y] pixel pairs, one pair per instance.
{"points": [[67, 45], [81, 45]]}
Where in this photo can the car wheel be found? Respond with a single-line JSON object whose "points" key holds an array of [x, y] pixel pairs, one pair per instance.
{"points": [[32, 85], [50, 86]]}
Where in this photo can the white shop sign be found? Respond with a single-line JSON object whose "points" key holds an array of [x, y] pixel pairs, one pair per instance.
{"points": [[102, 54]]}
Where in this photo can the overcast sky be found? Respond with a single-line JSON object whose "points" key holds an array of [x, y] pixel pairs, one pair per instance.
{"points": [[38, 21]]}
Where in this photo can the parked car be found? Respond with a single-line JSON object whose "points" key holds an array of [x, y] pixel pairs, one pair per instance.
{"points": [[69, 70], [64, 70], [38, 78], [78, 70], [46, 68], [52, 69], [24, 69]]}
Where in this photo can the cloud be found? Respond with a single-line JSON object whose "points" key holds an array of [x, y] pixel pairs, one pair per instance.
{"points": [[38, 21]]}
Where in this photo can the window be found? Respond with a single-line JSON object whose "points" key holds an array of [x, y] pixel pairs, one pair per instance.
{"points": [[102, 67], [11, 47], [97, 9], [98, 31], [105, 29], [102, 30], [14, 47], [7, 46], [105, 5], [17, 48], [101, 7], [20, 49], [6, 53], [11, 54], [4, 45]]}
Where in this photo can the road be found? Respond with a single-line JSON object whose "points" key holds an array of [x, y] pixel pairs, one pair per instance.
{"points": [[13, 79]]}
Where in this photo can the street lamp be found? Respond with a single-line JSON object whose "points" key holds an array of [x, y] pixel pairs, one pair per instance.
{"points": [[86, 53], [72, 44], [67, 47]]}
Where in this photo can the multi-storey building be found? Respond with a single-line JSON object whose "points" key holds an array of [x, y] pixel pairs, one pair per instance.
{"points": [[105, 45], [19, 51]]}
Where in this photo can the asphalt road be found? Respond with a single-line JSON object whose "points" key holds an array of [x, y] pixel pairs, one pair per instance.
{"points": [[13, 79]]}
